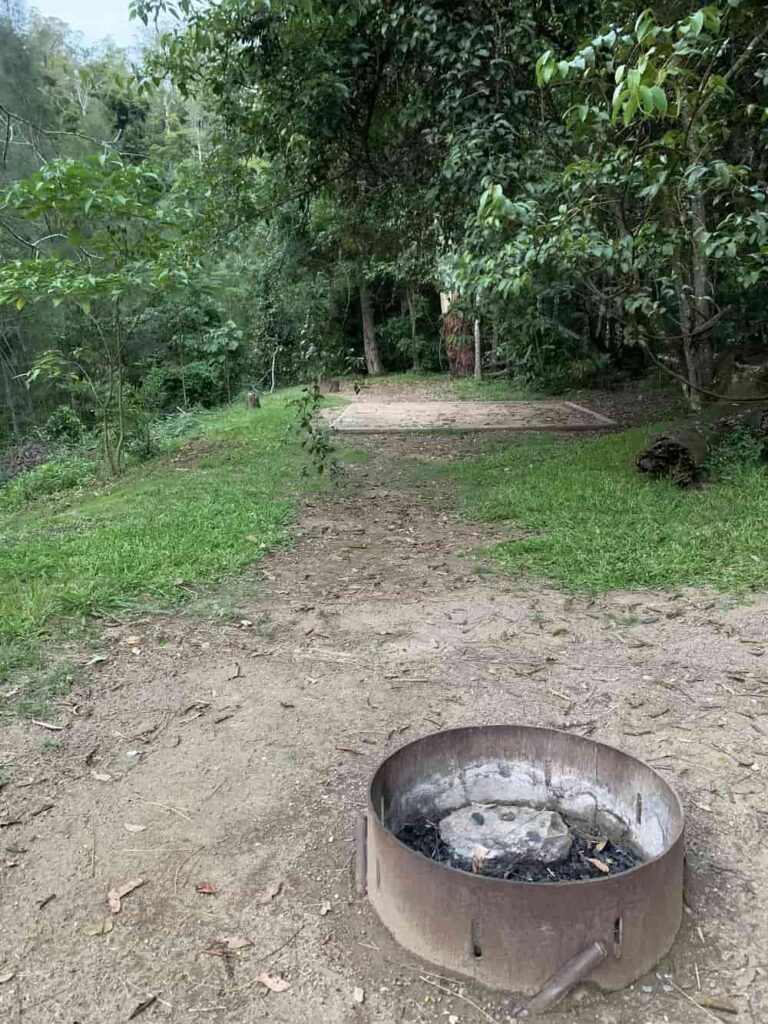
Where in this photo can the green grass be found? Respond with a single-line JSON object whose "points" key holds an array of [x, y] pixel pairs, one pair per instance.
{"points": [[598, 525], [498, 390], [203, 511], [501, 390]]}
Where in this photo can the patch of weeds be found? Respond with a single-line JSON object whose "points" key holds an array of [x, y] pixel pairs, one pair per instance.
{"points": [[264, 626], [353, 456], [315, 433], [624, 621], [40, 688], [53, 743], [48, 479], [599, 525], [738, 449]]}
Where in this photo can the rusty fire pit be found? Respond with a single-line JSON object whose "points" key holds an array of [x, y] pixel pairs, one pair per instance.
{"points": [[535, 938]]}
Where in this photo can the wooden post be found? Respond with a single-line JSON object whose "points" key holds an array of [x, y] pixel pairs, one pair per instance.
{"points": [[478, 352]]}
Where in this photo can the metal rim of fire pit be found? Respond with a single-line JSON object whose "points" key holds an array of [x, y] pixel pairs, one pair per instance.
{"points": [[532, 938]]}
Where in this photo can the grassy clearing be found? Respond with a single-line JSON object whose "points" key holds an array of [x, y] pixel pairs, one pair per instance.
{"points": [[203, 511], [599, 526]]}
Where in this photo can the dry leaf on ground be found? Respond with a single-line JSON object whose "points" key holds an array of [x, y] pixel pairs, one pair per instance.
{"points": [[101, 776], [599, 864], [7, 977], [270, 892], [142, 1006], [226, 945], [48, 725], [206, 888], [102, 927], [717, 1003], [116, 896], [273, 983], [349, 750], [134, 828]]}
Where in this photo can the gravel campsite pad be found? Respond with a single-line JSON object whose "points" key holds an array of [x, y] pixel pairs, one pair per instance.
{"points": [[176, 839], [403, 416]]}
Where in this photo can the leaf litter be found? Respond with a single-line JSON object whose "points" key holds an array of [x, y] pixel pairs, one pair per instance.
{"points": [[273, 982], [116, 896], [102, 927]]}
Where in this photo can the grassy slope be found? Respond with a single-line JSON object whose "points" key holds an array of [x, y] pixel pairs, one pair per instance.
{"points": [[205, 513], [599, 525]]}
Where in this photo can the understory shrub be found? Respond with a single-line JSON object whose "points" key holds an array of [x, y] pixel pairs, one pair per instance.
{"points": [[52, 477]]}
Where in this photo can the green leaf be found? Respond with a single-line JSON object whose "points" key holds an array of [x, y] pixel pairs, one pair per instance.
{"points": [[696, 23], [644, 25], [722, 173], [630, 108], [660, 99], [20, 303], [647, 101]]}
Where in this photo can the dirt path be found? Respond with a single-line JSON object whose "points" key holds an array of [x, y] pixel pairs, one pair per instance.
{"points": [[220, 738]]}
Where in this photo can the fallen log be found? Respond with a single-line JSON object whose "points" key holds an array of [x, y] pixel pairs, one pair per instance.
{"points": [[682, 454], [678, 454]]}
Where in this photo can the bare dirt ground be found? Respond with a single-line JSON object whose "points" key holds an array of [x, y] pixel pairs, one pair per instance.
{"points": [[205, 754], [403, 416]]}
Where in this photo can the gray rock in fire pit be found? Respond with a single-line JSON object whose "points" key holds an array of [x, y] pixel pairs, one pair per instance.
{"points": [[506, 833]]}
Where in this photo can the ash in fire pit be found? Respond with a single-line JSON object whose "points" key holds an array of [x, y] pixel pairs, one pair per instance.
{"points": [[525, 844]]}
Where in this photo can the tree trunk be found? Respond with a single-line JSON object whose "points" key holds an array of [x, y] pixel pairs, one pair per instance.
{"points": [[183, 376], [119, 458], [457, 332], [701, 301], [694, 289], [412, 316], [697, 348], [372, 359], [15, 432], [478, 352]]}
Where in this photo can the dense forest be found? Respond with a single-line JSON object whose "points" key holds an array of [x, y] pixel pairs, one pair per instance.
{"points": [[281, 190]]}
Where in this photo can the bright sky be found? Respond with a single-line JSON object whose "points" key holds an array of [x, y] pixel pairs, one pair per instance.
{"points": [[96, 19]]}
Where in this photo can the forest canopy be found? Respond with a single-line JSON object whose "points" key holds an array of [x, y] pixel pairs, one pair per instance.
{"points": [[318, 187]]}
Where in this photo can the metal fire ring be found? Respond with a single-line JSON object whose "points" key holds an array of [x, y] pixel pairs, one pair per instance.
{"points": [[532, 938]]}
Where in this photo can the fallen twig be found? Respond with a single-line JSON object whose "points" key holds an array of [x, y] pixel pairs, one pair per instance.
{"points": [[690, 999], [167, 807], [280, 948], [458, 995]]}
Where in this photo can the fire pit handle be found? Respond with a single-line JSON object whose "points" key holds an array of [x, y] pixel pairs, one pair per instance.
{"points": [[361, 856], [577, 969]]}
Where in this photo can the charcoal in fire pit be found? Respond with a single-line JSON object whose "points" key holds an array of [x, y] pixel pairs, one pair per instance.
{"points": [[519, 834]]}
